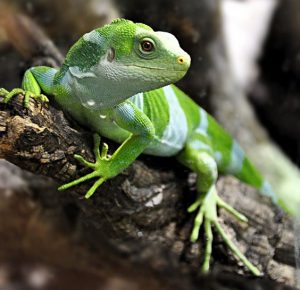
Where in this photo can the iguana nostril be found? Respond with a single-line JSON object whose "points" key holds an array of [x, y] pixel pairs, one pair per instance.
{"points": [[180, 60]]}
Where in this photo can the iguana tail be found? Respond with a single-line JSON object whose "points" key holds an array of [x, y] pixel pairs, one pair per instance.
{"points": [[232, 159], [250, 175]]}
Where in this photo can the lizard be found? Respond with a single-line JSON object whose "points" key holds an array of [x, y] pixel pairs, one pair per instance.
{"points": [[118, 80]]}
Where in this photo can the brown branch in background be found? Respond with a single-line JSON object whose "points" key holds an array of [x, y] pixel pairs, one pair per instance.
{"points": [[26, 36]]}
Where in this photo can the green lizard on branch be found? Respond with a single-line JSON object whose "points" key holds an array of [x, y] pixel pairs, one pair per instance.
{"points": [[118, 81]]}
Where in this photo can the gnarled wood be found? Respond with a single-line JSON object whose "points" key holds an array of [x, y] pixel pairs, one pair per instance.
{"points": [[142, 212]]}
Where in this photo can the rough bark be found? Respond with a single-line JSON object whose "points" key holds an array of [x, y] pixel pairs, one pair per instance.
{"points": [[32, 246], [142, 211]]}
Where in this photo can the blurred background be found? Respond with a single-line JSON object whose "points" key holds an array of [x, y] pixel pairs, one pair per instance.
{"points": [[245, 71]]}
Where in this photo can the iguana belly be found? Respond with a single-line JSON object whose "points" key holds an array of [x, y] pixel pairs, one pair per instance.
{"points": [[163, 109], [167, 145]]}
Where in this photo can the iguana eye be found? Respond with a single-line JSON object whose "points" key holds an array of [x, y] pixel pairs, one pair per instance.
{"points": [[147, 46]]}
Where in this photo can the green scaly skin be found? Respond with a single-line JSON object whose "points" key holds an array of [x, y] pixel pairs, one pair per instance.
{"points": [[116, 81]]}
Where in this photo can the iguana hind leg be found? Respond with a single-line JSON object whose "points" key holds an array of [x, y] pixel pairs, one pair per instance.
{"points": [[197, 156]]}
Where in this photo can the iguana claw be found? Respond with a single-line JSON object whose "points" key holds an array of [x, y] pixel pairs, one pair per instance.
{"points": [[207, 215], [101, 159], [27, 95]]}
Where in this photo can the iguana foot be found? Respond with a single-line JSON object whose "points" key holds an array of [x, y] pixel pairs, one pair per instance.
{"points": [[207, 215], [27, 95], [100, 167]]}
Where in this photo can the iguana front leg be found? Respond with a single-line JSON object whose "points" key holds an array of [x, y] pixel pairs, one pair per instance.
{"points": [[34, 79], [132, 119]]}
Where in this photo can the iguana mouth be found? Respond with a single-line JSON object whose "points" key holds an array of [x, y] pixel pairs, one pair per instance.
{"points": [[156, 68]]}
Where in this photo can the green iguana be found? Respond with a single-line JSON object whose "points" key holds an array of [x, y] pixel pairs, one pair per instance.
{"points": [[118, 81]]}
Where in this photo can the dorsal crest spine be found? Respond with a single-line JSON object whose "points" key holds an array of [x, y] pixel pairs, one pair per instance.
{"points": [[120, 20]]}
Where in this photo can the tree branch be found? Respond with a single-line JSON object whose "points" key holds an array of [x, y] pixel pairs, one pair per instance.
{"points": [[145, 207]]}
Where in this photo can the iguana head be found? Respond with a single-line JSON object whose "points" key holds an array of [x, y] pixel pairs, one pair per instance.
{"points": [[125, 58], [149, 56]]}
